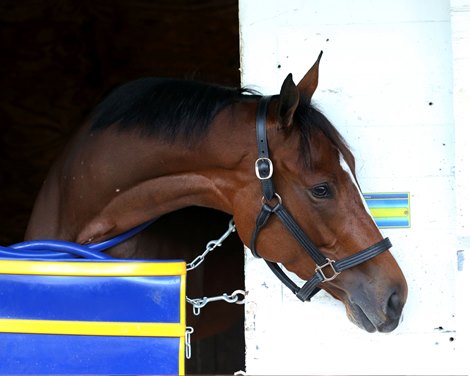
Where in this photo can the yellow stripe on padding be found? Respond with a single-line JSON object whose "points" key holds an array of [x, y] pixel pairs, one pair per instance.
{"points": [[103, 268], [94, 328], [389, 212], [182, 356]]}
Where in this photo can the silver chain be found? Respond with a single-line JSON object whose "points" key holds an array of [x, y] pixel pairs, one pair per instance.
{"points": [[234, 297], [213, 244], [187, 341], [199, 303]]}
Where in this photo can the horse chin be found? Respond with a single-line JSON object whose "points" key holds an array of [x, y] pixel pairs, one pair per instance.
{"points": [[357, 316], [369, 323]]}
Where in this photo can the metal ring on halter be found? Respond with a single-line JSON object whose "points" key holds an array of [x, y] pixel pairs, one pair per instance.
{"points": [[265, 201]]}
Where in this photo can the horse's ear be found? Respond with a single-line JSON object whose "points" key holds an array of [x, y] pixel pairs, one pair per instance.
{"points": [[309, 83], [288, 102]]}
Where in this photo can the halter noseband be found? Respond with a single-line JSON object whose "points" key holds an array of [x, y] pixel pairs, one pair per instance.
{"points": [[326, 269]]}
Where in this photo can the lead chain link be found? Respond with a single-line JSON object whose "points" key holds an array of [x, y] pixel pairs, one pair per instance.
{"points": [[199, 303], [210, 246], [187, 340]]}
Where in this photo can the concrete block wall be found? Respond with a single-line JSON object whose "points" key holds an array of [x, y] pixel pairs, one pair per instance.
{"points": [[386, 82]]}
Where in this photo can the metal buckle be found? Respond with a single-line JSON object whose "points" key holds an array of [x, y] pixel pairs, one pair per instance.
{"points": [[257, 167], [329, 263]]}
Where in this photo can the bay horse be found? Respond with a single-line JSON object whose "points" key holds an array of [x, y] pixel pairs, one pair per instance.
{"points": [[157, 145]]}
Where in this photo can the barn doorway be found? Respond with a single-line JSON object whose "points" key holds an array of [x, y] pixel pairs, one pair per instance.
{"points": [[60, 57]]}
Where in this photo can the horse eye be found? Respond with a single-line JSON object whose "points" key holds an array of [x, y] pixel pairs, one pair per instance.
{"points": [[321, 191]]}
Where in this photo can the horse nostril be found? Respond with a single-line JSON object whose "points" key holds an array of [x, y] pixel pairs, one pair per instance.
{"points": [[394, 306]]}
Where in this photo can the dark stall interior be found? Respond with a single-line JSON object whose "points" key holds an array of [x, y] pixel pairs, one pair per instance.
{"points": [[59, 57]]}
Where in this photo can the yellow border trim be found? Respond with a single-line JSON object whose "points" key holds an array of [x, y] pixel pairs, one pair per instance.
{"points": [[93, 328], [103, 268], [182, 349], [182, 356]]}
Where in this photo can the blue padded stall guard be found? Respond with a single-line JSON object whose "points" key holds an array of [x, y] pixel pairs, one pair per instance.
{"points": [[82, 316]]}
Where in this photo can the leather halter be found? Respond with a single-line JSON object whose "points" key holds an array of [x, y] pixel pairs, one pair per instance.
{"points": [[326, 269]]}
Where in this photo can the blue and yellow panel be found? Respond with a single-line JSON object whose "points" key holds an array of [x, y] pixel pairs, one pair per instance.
{"points": [[92, 317], [389, 210]]}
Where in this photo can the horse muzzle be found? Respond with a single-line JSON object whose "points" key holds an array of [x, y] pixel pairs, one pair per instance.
{"points": [[376, 315]]}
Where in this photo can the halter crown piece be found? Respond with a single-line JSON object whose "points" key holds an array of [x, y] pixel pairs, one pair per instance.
{"points": [[326, 269]]}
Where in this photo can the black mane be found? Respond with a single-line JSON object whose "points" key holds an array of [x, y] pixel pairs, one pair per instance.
{"points": [[171, 108], [168, 108]]}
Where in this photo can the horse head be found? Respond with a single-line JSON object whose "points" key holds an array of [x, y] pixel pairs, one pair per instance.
{"points": [[157, 145], [314, 185]]}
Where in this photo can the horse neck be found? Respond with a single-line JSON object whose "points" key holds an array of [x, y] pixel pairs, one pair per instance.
{"points": [[137, 179]]}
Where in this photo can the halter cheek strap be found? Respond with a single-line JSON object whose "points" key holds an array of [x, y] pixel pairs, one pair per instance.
{"points": [[326, 269], [263, 165]]}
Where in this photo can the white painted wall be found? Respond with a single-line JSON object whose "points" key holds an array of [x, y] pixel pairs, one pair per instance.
{"points": [[460, 21], [386, 82]]}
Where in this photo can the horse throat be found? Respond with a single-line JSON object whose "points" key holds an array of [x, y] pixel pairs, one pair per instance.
{"points": [[149, 200], [108, 182]]}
